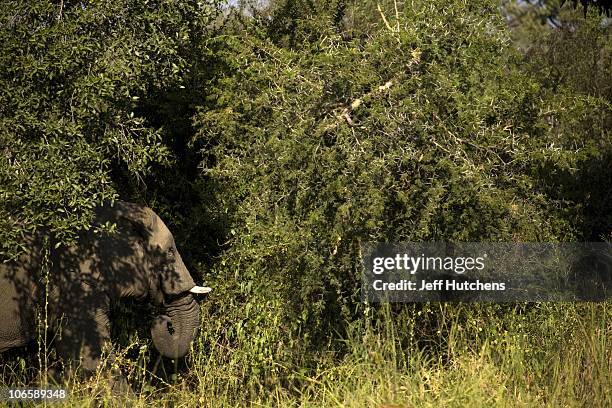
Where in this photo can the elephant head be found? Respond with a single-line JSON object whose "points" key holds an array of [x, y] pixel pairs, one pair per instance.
{"points": [[139, 261], [169, 283]]}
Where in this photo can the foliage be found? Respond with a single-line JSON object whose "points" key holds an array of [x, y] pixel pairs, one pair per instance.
{"points": [[571, 61], [568, 54], [546, 355], [424, 129], [279, 142], [72, 78]]}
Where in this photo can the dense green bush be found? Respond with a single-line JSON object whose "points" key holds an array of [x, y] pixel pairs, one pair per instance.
{"points": [[423, 128], [572, 63], [73, 79], [302, 130]]}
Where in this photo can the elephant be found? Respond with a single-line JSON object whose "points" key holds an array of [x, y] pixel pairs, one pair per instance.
{"points": [[138, 260]]}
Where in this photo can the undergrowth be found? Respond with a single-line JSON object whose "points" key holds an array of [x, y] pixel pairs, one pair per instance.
{"points": [[395, 356]]}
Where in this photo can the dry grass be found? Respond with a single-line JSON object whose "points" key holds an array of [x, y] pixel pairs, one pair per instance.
{"points": [[562, 360]]}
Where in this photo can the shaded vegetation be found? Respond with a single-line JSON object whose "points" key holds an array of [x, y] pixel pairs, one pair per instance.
{"points": [[276, 139]]}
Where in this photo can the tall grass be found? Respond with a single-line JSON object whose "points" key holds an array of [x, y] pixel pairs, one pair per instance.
{"points": [[412, 356]]}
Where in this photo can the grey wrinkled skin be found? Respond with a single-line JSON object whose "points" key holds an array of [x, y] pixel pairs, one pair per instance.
{"points": [[140, 261]]}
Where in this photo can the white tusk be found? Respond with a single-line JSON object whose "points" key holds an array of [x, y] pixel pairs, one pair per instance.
{"points": [[200, 289]]}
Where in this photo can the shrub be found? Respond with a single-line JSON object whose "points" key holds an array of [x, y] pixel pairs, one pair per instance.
{"points": [[423, 129]]}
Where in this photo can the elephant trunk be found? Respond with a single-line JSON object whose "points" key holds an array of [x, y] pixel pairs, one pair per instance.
{"points": [[173, 331]]}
